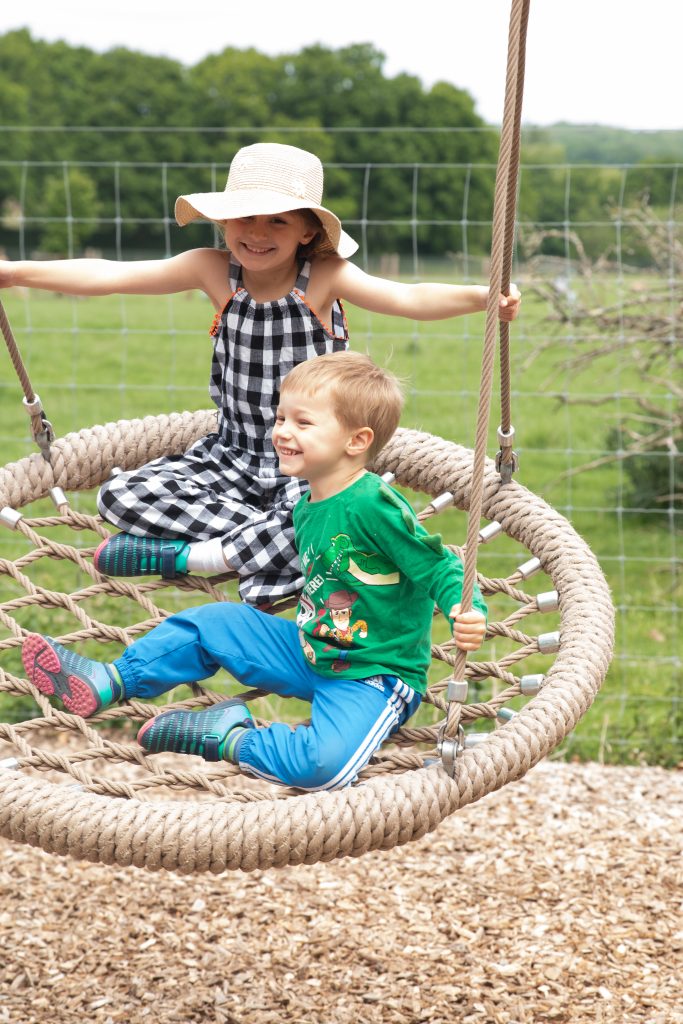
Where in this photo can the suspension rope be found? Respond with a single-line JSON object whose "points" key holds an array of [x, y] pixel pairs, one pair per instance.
{"points": [[501, 263], [41, 428]]}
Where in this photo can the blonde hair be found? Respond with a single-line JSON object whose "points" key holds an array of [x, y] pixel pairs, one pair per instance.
{"points": [[361, 393]]}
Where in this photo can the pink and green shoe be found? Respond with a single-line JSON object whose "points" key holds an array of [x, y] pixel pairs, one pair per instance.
{"points": [[82, 685]]}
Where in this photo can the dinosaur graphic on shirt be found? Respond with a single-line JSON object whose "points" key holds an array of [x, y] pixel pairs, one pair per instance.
{"points": [[342, 559]]}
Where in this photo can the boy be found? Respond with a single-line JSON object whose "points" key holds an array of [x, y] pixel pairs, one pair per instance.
{"points": [[360, 647]]}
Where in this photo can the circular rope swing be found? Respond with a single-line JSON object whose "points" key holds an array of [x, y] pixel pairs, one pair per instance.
{"points": [[213, 832], [68, 801]]}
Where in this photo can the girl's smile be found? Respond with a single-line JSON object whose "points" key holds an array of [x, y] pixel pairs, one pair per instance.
{"points": [[263, 236]]}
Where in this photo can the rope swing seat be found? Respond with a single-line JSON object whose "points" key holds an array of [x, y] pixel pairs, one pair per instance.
{"points": [[84, 788]]}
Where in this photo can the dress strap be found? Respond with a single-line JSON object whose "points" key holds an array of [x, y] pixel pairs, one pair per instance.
{"points": [[301, 283], [235, 274]]}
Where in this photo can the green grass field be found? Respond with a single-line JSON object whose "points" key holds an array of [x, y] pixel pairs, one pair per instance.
{"points": [[103, 359]]}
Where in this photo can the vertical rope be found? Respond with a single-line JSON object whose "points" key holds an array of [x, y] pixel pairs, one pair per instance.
{"points": [[501, 258], [508, 250], [41, 428]]}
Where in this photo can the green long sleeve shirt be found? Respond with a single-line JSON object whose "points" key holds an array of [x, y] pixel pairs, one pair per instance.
{"points": [[372, 577]]}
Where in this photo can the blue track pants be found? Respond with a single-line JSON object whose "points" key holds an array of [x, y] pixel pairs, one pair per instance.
{"points": [[350, 718]]}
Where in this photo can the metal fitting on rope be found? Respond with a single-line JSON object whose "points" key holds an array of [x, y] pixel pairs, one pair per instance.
{"points": [[10, 517], [449, 749], [548, 601], [548, 643], [44, 438], [442, 501], [9, 764], [489, 532], [505, 715], [59, 498], [457, 690], [41, 428], [507, 461], [34, 408], [531, 684], [530, 568], [388, 477]]}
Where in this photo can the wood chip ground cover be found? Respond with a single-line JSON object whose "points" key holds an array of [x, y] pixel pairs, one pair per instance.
{"points": [[557, 899]]}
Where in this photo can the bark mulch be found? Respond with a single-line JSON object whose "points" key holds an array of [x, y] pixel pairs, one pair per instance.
{"points": [[557, 899]]}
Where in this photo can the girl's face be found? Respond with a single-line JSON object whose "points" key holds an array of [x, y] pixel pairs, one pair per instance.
{"points": [[268, 242]]}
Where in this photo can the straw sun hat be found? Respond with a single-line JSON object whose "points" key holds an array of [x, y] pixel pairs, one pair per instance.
{"points": [[268, 178]]}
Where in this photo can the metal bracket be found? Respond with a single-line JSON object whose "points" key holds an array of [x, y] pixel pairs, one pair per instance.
{"points": [[510, 464], [46, 436], [450, 749]]}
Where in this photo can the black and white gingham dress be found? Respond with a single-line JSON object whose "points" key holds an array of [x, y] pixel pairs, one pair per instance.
{"points": [[228, 484]]}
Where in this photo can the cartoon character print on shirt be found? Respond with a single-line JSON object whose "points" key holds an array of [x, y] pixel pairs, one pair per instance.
{"points": [[341, 633], [342, 560]]}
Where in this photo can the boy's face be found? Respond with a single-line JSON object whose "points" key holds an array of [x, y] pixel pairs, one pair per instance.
{"points": [[309, 440]]}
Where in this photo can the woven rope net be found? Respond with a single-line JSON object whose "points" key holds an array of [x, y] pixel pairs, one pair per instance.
{"points": [[85, 788]]}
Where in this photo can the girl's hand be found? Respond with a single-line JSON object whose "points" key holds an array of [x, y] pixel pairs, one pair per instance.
{"points": [[508, 305], [469, 628]]}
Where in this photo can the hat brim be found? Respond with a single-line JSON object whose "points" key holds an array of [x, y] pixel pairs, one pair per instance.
{"points": [[229, 205]]}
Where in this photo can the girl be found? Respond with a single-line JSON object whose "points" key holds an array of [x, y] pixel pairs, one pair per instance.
{"points": [[277, 290]]}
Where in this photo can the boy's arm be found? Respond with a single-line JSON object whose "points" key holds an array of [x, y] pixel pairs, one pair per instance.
{"points": [[426, 301], [442, 573], [198, 268], [419, 555]]}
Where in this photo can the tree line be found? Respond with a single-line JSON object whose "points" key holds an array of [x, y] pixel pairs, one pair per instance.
{"points": [[405, 165]]}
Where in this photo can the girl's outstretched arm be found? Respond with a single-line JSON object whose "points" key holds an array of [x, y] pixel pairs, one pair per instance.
{"points": [[204, 269], [415, 301]]}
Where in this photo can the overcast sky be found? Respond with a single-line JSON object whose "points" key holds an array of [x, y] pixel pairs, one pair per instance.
{"points": [[588, 61]]}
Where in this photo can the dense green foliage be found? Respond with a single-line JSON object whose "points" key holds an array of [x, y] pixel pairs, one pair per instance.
{"points": [[52, 84], [405, 165]]}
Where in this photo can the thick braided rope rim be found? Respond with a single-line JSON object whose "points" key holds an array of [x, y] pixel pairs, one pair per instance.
{"points": [[386, 810]]}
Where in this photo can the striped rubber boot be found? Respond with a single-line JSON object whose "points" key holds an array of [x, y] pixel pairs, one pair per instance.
{"points": [[82, 685], [204, 733]]}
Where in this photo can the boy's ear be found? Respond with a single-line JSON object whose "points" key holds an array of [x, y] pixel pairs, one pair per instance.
{"points": [[360, 441]]}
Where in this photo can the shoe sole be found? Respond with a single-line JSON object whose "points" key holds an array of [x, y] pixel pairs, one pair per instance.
{"points": [[44, 670]]}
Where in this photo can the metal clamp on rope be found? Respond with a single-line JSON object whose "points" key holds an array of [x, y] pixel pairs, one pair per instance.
{"points": [[10, 517], [46, 435], [449, 749], [510, 464]]}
